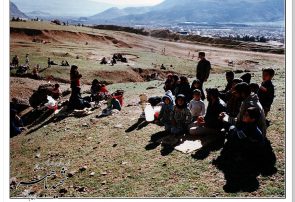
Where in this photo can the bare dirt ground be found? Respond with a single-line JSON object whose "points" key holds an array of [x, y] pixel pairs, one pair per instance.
{"points": [[115, 149]]}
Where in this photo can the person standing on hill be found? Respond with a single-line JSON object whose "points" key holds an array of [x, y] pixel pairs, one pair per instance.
{"points": [[203, 70]]}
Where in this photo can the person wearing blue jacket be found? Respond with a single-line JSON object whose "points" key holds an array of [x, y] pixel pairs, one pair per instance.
{"points": [[166, 110]]}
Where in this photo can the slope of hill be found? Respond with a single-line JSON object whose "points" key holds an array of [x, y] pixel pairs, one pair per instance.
{"points": [[212, 11], [114, 12], [15, 12], [62, 8]]}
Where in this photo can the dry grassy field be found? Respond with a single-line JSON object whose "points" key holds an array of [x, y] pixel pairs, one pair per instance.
{"points": [[112, 157]]}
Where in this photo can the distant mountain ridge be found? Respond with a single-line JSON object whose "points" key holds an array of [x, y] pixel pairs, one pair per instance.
{"points": [[15, 12], [205, 11]]}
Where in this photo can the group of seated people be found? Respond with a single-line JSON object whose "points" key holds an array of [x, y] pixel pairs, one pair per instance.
{"points": [[99, 93], [115, 58], [238, 113]]}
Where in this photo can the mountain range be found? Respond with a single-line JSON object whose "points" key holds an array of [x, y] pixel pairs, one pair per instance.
{"points": [[202, 11], [62, 8], [15, 12], [167, 12]]}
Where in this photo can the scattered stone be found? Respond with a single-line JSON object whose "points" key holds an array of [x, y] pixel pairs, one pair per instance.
{"points": [[94, 120], [85, 125], [124, 163], [104, 182], [13, 182], [164, 164], [114, 145], [71, 174], [92, 174], [81, 189], [63, 191], [37, 155], [94, 148], [83, 168], [104, 173], [118, 126]]}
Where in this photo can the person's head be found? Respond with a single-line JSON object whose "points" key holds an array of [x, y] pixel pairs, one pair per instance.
{"points": [[246, 78], [242, 90], [212, 94], [268, 74], [38, 66], [167, 100], [175, 78], [202, 55], [180, 101], [27, 55], [252, 115], [95, 82], [56, 86], [196, 84], [183, 79], [230, 75], [74, 68], [235, 82], [169, 76], [254, 87], [197, 94]]}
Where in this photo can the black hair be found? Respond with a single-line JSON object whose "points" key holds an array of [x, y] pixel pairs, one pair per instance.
{"points": [[196, 92], [254, 87], [202, 54], [181, 96], [94, 82], [253, 113], [246, 78], [243, 88], [270, 71], [183, 79], [238, 80], [230, 73], [56, 85], [213, 92]]}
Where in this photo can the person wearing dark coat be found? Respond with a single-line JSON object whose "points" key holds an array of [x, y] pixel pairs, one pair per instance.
{"points": [[210, 123], [183, 88], [203, 70], [266, 91]]}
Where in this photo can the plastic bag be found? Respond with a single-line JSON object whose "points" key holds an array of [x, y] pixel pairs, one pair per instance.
{"points": [[51, 104]]}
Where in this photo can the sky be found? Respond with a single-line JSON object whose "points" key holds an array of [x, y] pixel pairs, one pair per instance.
{"points": [[123, 3]]}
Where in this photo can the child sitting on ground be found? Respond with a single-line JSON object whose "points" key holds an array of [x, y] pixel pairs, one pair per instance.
{"points": [[197, 85], [95, 89], [243, 153], [230, 75], [55, 92], [266, 91], [180, 117], [166, 110], [196, 105]]}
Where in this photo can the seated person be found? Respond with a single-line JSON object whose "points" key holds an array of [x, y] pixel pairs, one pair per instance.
{"points": [[16, 124], [35, 72], [166, 110], [76, 101], [103, 61], [210, 123], [180, 117], [230, 75], [95, 89], [55, 92], [242, 156], [249, 99]]}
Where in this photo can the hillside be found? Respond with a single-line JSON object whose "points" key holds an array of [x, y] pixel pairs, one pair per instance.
{"points": [[212, 11], [15, 12], [122, 155]]}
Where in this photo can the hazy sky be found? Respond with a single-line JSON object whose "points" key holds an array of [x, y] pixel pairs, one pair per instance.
{"points": [[131, 2]]}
